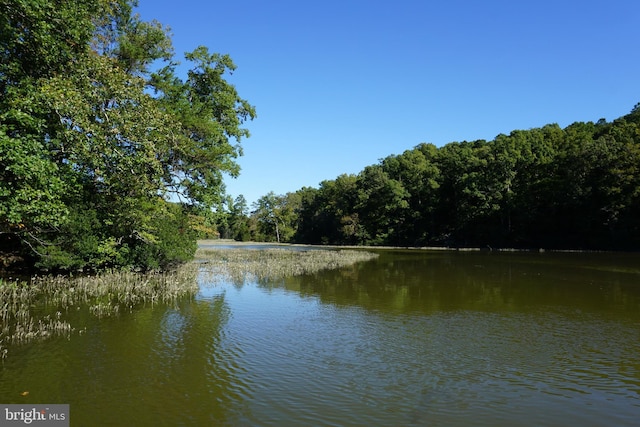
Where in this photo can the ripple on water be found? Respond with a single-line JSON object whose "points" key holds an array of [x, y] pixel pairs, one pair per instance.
{"points": [[301, 358], [255, 356]]}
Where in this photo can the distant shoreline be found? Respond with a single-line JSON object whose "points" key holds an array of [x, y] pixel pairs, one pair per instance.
{"points": [[230, 242]]}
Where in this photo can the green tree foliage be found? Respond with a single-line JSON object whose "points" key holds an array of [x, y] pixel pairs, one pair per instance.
{"points": [[577, 187], [382, 204], [207, 114], [233, 221], [93, 141], [239, 220], [418, 173], [276, 216], [327, 214]]}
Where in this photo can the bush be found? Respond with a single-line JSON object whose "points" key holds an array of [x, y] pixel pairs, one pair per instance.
{"points": [[158, 237]]}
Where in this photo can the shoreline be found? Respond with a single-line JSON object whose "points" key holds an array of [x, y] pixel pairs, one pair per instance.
{"points": [[230, 242]]}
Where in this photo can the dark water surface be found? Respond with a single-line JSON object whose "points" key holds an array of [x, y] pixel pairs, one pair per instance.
{"points": [[413, 338]]}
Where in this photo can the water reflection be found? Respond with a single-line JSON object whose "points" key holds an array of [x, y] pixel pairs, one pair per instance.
{"points": [[154, 366], [415, 282], [488, 339]]}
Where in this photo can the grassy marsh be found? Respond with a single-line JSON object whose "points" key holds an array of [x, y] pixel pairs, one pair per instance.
{"points": [[240, 264], [35, 309]]}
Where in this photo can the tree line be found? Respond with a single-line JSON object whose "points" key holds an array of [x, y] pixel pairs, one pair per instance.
{"points": [[107, 157], [547, 187]]}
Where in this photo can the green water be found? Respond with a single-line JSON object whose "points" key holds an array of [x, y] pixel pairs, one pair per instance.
{"points": [[412, 338]]}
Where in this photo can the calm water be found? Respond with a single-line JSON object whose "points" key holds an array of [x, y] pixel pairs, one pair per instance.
{"points": [[410, 339]]}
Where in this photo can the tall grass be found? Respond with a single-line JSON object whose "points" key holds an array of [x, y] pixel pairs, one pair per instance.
{"points": [[239, 265], [35, 309]]}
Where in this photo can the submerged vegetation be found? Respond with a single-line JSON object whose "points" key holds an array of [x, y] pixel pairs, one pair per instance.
{"points": [[37, 309], [240, 265]]}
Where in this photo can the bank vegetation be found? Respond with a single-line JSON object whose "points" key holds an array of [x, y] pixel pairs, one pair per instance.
{"points": [[39, 308], [240, 265]]}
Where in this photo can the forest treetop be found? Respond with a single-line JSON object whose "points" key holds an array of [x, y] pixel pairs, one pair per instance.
{"points": [[548, 187]]}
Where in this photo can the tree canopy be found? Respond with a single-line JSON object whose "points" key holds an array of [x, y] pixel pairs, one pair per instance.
{"points": [[105, 152], [548, 187]]}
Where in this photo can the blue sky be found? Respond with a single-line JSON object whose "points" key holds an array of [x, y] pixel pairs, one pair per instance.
{"points": [[338, 85]]}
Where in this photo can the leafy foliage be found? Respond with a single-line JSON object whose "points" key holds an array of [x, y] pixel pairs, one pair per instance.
{"points": [[94, 141], [275, 216], [572, 188]]}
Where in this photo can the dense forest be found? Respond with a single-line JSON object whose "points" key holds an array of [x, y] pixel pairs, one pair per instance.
{"points": [[108, 159], [548, 187]]}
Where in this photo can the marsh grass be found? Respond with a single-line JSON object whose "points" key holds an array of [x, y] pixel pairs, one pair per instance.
{"points": [[240, 265], [35, 309]]}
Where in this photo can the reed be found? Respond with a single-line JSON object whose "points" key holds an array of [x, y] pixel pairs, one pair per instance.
{"points": [[240, 265], [124, 288], [34, 309]]}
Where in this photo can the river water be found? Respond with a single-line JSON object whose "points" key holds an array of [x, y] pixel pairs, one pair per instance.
{"points": [[412, 338]]}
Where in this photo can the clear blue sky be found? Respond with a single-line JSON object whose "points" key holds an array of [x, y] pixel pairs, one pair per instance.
{"points": [[339, 84]]}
